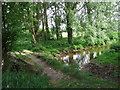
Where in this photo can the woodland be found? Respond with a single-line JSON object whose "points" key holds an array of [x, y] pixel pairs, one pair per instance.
{"points": [[60, 45]]}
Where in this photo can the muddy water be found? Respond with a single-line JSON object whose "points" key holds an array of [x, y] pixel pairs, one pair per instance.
{"points": [[82, 57]]}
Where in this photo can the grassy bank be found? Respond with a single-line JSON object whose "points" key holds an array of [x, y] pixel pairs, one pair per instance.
{"points": [[53, 46], [22, 75], [111, 58], [24, 80], [84, 79]]}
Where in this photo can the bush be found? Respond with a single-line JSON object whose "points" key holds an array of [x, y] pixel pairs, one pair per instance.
{"points": [[113, 35]]}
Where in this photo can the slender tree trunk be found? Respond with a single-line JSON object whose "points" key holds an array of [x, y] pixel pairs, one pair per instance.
{"points": [[68, 17], [89, 13], [35, 29], [46, 21], [44, 36], [56, 23], [57, 28]]}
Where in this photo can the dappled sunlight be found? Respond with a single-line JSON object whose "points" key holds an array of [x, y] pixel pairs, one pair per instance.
{"points": [[60, 44], [27, 52]]}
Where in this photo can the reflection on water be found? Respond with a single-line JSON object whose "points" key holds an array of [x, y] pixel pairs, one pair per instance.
{"points": [[95, 54], [82, 57], [99, 53]]}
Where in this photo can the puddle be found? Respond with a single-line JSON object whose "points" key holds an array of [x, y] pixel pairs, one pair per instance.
{"points": [[83, 57]]}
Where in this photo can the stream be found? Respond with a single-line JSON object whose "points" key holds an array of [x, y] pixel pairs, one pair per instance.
{"points": [[82, 57]]}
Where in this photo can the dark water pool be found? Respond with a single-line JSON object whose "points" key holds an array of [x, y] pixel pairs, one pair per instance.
{"points": [[83, 57]]}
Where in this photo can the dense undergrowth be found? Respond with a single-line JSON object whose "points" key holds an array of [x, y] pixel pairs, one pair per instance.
{"points": [[53, 46]]}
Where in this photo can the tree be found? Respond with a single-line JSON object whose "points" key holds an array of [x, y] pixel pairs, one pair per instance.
{"points": [[70, 11], [12, 23], [45, 6], [13, 18], [34, 19]]}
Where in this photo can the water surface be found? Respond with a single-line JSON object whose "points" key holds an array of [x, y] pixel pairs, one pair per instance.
{"points": [[83, 57]]}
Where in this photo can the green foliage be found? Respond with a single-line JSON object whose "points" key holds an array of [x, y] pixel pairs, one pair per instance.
{"points": [[97, 27], [88, 83], [77, 46], [108, 57], [13, 18], [53, 62], [113, 35], [101, 29], [85, 78], [90, 36], [23, 41], [19, 56], [24, 80], [115, 46], [38, 48]]}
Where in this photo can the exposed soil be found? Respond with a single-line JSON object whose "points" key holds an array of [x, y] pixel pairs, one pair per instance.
{"points": [[105, 71], [22, 65], [48, 70]]}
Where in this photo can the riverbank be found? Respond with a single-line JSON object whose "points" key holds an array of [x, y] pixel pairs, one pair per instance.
{"points": [[85, 79], [107, 64], [54, 47], [25, 74], [104, 66]]}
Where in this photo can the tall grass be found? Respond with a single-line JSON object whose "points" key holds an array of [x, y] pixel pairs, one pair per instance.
{"points": [[24, 80]]}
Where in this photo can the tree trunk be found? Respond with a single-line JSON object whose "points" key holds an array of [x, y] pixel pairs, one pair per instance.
{"points": [[89, 13], [46, 21], [68, 17], [35, 29], [56, 23]]}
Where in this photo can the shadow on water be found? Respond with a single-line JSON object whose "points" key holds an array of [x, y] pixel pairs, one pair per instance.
{"points": [[83, 57]]}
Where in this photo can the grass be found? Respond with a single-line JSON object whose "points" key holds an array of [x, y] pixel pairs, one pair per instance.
{"points": [[24, 57], [110, 56], [24, 80], [23, 42], [49, 47], [53, 47], [84, 84], [86, 80], [22, 75]]}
